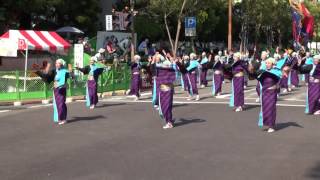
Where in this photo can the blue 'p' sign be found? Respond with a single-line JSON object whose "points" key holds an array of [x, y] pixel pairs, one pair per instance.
{"points": [[190, 22]]}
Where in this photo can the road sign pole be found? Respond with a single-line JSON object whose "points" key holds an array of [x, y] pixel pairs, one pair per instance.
{"points": [[132, 30], [25, 67], [230, 25]]}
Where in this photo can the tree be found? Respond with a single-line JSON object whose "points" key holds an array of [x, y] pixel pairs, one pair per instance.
{"points": [[266, 21], [174, 8], [50, 14]]}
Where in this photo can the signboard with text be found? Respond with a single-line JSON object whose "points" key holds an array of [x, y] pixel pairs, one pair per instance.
{"points": [[8, 48], [108, 22], [78, 55]]}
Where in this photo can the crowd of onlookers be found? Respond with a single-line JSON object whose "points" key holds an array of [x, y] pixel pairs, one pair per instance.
{"points": [[115, 49]]}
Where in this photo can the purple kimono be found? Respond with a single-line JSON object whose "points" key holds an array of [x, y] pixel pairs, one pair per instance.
{"points": [[166, 77], [237, 91]]}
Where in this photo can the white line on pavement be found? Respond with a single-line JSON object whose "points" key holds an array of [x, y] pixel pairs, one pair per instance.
{"points": [[252, 94], [200, 102], [80, 100], [37, 106], [228, 95], [280, 99], [146, 94], [3, 111]]}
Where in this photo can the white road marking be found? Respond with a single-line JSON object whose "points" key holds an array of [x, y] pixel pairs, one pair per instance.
{"points": [[279, 99], [202, 102], [228, 95], [293, 99], [118, 98], [3, 111], [252, 94], [146, 94], [37, 106], [201, 96]]}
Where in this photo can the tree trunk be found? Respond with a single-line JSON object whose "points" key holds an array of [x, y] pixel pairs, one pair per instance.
{"points": [[256, 34], [168, 31], [279, 38], [174, 50]]}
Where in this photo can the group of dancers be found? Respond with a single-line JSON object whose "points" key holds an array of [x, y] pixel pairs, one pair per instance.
{"points": [[272, 72], [59, 76]]}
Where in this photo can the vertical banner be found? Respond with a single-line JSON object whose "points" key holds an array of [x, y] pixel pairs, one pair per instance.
{"points": [[78, 56], [108, 22]]}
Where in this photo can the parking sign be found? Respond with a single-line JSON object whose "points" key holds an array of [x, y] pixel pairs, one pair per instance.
{"points": [[190, 25]]}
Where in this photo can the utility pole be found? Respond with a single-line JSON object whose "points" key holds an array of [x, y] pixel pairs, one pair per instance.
{"points": [[230, 25], [132, 29]]}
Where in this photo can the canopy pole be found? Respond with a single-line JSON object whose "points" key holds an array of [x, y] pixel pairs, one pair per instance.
{"points": [[25, 68]]}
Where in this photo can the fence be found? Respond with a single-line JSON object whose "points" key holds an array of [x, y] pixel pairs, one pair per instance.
{"points": [[117, 78], [12, 84]]}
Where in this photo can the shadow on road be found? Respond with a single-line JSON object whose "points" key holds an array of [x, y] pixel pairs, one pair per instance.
{"points": [[248, 107], [179, 105], [314, 173], [205, 97], [182, 122], [179, 92], [107, 105], [144, 98], [90, 118], [249, 86], [287, 124], [284, 94]]}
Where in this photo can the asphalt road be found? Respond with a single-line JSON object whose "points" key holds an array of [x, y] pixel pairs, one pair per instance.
{"points": [[123, 140]]}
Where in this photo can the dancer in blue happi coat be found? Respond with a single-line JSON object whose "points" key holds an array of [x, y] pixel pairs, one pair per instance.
{"points": [[93, 71], [268, 79], [58, 76]]}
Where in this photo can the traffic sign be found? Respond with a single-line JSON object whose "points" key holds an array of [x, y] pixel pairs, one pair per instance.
{"points": [[190, 25], [190, 22]]}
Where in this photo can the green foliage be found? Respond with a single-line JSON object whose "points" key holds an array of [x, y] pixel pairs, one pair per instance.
{"points": [[28, 14], [148, 27]]}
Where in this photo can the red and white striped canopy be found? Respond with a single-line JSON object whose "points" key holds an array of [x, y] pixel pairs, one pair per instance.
{"points": [[39, 40]]}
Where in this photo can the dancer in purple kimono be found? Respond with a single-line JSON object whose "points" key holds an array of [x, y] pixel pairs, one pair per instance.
{"points": [[135, 78], [237, 94], [192, 77], [261, 66], [308, 61], [156, 59], [166, 75], [93, 72], [313, 91], [184, 74], [203, 70], [217, 76], [268, 80], [293, 80], [59, 77], [281, 64]]}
